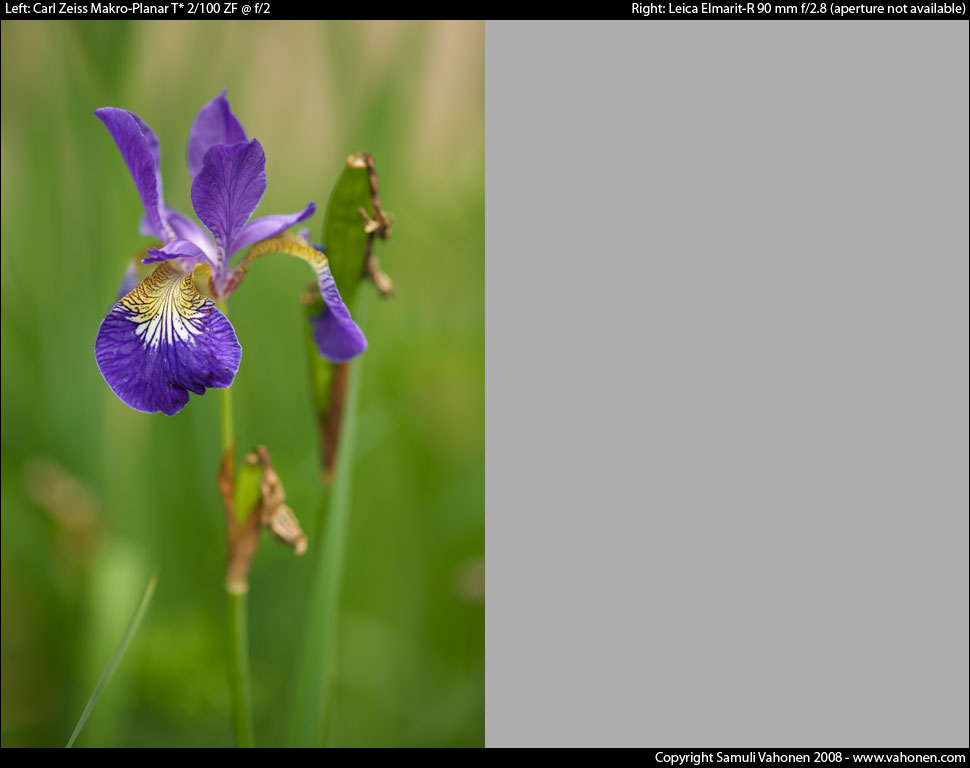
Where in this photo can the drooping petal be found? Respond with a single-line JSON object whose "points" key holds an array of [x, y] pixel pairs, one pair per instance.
{"points": [[337, 336], [177, 249], [215, 124], [163, 340], [139, 148], [228, 188], [268, 226]]}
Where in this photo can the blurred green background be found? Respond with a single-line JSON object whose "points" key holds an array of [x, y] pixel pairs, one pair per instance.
{"points": [[95, 495]]}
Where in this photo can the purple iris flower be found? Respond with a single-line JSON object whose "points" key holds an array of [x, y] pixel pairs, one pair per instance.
{"points": [[164, 338]]}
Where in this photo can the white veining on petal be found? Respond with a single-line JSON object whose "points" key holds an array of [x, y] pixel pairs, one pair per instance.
{"points": [[165, 308]]}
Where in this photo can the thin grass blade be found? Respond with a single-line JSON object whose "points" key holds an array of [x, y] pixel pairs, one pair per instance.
{"points": [[116, 657]]}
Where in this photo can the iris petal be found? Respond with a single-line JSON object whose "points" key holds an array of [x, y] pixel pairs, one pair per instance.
{"points": [[337, 336], [228, 188], [184, 228], [139, 148], [130, 279], [177, 249], [269, 226], [215, 124], [163, 340], [150, 139]]}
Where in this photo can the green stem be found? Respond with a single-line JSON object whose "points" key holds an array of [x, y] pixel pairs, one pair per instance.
{"points": [[239, 689], [227, 427], [314, 690], [242, 705], [228, 431]]}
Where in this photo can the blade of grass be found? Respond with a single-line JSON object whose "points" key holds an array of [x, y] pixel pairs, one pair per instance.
{"points": [[116, 657]]}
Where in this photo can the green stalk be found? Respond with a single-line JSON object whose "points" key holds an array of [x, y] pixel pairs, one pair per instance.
{"points": [[242, 705], [314, 689], [239, 688], [227, 425], [353, 220]]}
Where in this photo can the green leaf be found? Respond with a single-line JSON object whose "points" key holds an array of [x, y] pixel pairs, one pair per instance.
{"points": [[343, 234]]}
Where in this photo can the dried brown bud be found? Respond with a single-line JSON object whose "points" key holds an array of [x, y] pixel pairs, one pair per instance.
{"points": [[273, 513], [262, 506]]}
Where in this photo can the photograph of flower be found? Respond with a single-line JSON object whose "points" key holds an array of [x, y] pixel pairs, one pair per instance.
{"points": [[175, 406]]}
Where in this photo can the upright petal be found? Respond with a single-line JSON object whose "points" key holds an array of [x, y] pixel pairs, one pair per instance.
{"points": [[150, 139], [268, 226], [164, 340], [228, 188], [139, 148], [215, 124], [337, 336]]}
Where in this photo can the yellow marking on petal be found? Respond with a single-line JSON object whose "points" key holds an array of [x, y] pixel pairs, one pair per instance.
{"points": [[202, 277], [285, 243], [166, 307]]}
